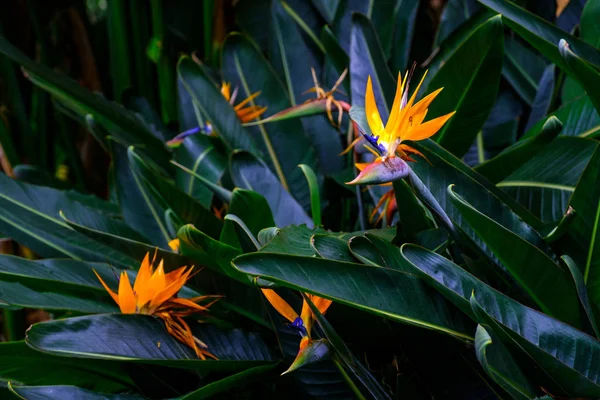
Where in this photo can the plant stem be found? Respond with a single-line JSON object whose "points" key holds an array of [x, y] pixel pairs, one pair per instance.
{"points": [[349, 381]]}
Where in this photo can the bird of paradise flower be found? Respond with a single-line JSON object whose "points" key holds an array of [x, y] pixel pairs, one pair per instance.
{"points": [[155, 293], [405, 123]]}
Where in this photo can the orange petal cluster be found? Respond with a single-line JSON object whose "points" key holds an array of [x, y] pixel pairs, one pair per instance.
{"points": [[154, 293], [245, 112]]}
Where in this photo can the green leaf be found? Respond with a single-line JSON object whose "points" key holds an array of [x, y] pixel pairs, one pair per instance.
{"points": [[375, 251], [343, 353], [124, 251], [404, 30], [582, 292], [315, 197], [579, 118], [251, 173], [211, 104], [500, 366], [29, 214], [491, 201], [66, 392], [292, 240], [331, 247], [381, 291], [413, 216], [229, 383], [544, 97], [546, 182], [470, 78], [140, 209], [542, 279], [198, 154], [209, 252], [293, 60], [513, 157], [539, 33], [589, 30], [367, 59], [561, 354], [454, 14], [584, 229], [250, 207], [284, 143], [168, 196], [144, 339], [20, 364], [523, 68], [586, 74], [111, 116]]}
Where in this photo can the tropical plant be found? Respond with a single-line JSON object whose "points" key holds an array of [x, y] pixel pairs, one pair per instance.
{"points": [[250, 175]]}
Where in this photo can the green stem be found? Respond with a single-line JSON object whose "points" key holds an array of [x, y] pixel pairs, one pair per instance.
{"points": [[423, 193], [349, 381]]}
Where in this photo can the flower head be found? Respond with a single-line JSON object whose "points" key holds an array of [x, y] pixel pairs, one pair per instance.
{"points": [[303, 322], [155, 293], [245, 112], [406, 118], [405, 123]]}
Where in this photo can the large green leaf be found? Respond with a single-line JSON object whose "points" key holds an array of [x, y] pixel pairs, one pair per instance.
{"points": [[586, 74], [30, 215], [111, 116], [546, 182], [22, 365], [470, 78], [144, 339], [555, 348], [584, 229], [562, 355], [252, 209], [140, 209], [500, 366], [125, 251], [285, 143], [523, 68], [447, 170], [168, 196], [66, 392], [544, 97], [404, 30], [549, 286], [454, 14], [541, 34], [251, 173], [579, 118], [292, 59], [211, 104], [367, 59], [382, 291], [518, 154], [198, 153]]}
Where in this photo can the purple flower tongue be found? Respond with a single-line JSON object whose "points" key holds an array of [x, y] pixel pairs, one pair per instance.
{"points": [[380, 171]]}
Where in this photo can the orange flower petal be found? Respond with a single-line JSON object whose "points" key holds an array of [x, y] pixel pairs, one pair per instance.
{"points": [[143, 276], [126, 296], [429, 128], [397, 101], [114, 296], [371, 110], [280, 305], [226, 90]]}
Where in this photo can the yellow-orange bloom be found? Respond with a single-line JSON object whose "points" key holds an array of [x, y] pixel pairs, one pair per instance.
{"points": [[305, 320], [245, 113], [406, 118], [154, 293]]}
